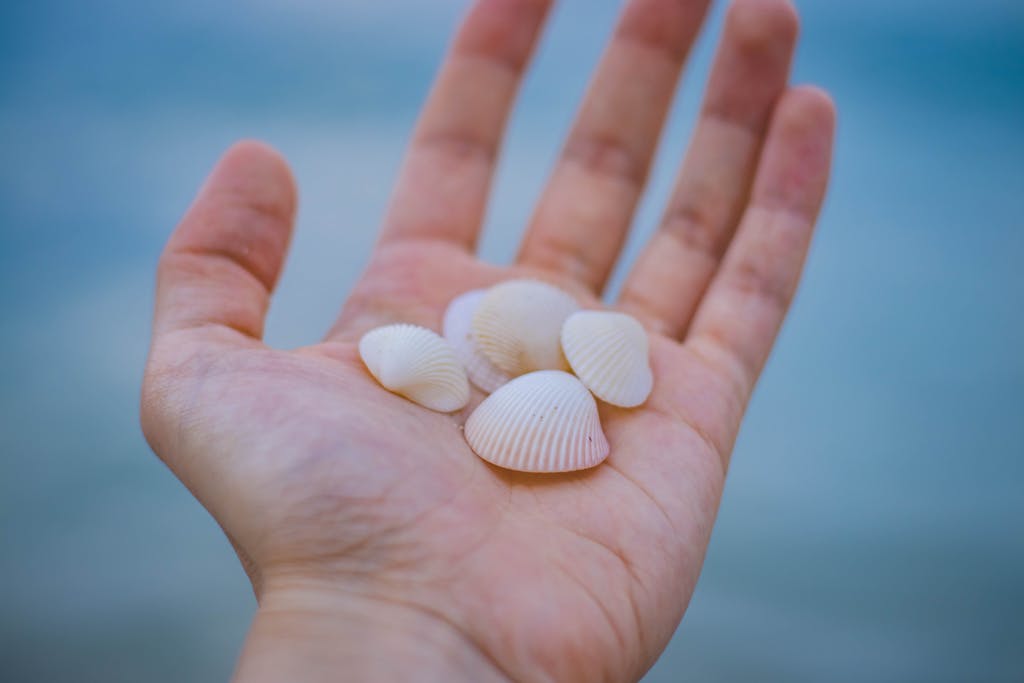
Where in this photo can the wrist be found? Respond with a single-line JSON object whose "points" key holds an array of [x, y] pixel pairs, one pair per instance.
{"points": [[307, 633]]}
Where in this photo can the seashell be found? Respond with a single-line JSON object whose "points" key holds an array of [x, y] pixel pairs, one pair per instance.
{"points": [[416, 363], [608, 352], [456, 329], [518, 325], [542, 421]]}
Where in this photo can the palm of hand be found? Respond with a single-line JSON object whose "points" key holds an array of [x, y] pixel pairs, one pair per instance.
{"points": [[320, 476], [344, 477]]}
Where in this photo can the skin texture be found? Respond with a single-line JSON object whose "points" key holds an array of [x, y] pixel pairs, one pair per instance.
{"points": [[379, 546]]}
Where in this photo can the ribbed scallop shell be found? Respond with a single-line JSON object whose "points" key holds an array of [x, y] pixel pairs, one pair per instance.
{"points": [[543, 421], [518, 324], [416, 363], [608, 352], [456, 328]]}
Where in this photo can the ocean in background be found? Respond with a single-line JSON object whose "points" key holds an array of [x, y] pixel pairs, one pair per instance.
{"points": [[872, 527]]}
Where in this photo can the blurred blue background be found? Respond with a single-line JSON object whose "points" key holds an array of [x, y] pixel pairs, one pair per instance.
{"points": [[873, 524]]}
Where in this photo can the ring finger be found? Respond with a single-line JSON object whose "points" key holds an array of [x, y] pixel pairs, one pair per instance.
{"points": [[749, 74]]}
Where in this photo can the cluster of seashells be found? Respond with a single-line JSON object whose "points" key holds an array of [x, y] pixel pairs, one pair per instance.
{"points": [[518, 342]]}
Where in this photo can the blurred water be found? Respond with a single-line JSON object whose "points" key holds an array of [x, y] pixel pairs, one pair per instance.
{"points": [[872, 525]]}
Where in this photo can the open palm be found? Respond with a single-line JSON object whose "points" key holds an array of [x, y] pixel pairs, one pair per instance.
{"points": [[336, 492]]}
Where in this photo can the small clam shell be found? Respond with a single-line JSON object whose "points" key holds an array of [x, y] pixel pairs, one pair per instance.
{"points": [[416, 363], [518, 324], [608, 352], [456, 328], [543, 421]]}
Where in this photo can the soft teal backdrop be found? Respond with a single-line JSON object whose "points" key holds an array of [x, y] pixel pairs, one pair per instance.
{"points": [[873, 524]]}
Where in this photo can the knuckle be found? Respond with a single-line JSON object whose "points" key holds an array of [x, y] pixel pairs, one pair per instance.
{"points": [[756, 278], [606, 155], [694, 225], [551, 251], [459, 148]]}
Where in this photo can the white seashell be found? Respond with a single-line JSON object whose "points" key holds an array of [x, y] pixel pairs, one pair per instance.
{"points": [[543, 421], [416, 363], [456, 328], [608, 352], [518, 325]]}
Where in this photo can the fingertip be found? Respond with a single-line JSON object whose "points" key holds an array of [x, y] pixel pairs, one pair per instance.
{"points": [[248, 151], [797, 158], [809, 107], [224, 258], [259, 173], [804, 125], [245, 210], [760, 25]]}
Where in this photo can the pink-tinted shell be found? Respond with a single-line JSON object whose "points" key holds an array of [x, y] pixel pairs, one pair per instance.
{"points": [[543, 421], [457, 330]]}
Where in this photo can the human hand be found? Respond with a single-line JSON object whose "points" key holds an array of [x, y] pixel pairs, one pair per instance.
{"points": [[379, 546]]}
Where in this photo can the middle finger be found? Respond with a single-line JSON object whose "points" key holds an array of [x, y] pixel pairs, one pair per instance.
{"points": [[586, 209]]}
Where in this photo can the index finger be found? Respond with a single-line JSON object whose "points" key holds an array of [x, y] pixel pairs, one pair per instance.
{"points": [[442, 189]]}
